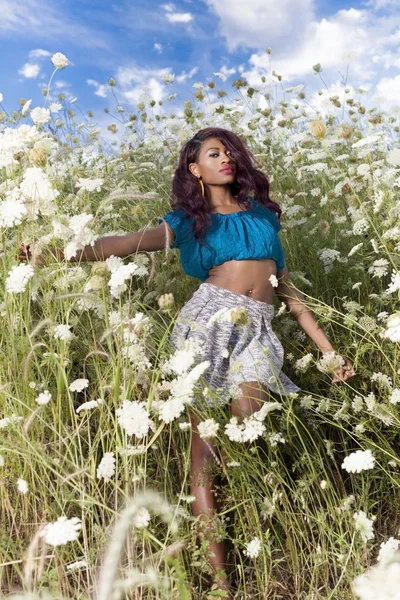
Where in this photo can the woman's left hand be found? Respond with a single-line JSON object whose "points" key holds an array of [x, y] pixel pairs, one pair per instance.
{"points": [[344, 372]]}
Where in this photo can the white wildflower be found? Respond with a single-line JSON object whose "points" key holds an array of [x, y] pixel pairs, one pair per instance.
{"points": [[6, 421], [43, 398], [113, 263], [208, 429], [89, 405], [78, 385], [382, 379], [381, 582], [106, 468], [59, 60], [394, 285], [253, 548], [253, 429], [358, 461], [55, 107], [168, 77], [18, 278], [185, 426], [323, 484], [379, 267], [134, 418], [22, 485], [387, 549], [364, 526], [12, 212], [61, 532], [329, 362], [37, 192], [395, 396], [234, 430], [25, 107], [171, 409], [78, 564], [1, 460], [355, 249], [393, 327], [301, 365], [273, 281], [89, 185], [117, 280], [81, 235], [371, 139], [40, 115], [393, 157], [276, 438], [361, 226], [141, 518], [63, 332], [220, 76]]}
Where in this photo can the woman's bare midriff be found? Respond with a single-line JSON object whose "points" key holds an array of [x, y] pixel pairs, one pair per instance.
{"points": [[247, 277]]}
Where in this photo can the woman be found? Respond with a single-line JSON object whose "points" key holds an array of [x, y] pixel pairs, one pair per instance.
{"points": [[229, 240]]}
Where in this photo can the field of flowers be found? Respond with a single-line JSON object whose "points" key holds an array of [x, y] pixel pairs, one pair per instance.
{"points": [[94, 435]]}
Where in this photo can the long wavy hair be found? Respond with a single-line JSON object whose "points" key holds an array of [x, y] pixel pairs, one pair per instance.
{"points": [[249, 180]]}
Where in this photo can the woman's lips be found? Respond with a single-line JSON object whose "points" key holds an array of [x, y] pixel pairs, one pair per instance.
{"points": [[226, 170]]}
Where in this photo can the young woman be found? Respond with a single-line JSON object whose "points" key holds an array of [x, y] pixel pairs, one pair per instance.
{"points": [[226, 227]]}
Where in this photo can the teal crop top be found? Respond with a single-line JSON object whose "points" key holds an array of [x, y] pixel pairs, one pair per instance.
{"points": [[248, 234]]}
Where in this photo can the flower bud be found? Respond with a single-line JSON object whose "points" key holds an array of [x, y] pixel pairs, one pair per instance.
{"points": [[239, 316], [166, 301], [318, 129]]}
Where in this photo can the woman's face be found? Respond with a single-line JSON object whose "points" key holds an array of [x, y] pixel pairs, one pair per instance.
{"points": [[214, 165]]}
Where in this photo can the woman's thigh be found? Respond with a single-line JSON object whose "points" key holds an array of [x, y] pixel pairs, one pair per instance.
{"points": [[254, 394]]}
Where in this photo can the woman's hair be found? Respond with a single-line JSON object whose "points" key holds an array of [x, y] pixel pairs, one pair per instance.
{"points": [[248, 181]]}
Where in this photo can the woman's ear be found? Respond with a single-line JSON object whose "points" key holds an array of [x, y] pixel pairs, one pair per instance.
{"points": [[193, 169]]}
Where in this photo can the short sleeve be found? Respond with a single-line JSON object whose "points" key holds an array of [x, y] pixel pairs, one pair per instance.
{"points": [[280, 259], [275, 221], [175, 220]]}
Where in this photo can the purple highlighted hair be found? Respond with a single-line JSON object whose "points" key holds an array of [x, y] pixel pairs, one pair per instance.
{"points": [[249, 180]]}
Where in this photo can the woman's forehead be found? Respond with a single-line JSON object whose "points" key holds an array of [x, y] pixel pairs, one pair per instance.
{"points": [[212, 143]]}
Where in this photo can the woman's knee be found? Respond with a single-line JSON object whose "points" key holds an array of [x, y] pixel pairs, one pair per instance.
{"points": [[253, 396]]}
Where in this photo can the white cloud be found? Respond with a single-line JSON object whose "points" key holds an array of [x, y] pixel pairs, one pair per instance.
{"points": [[227, 72], [260, 23], [325, 42], [176, 17], [29, 70], [133, 82], [101, 90], [390, 89], [45, 20], [158, 47], [184, 76], [38, 52], [179, 17]]}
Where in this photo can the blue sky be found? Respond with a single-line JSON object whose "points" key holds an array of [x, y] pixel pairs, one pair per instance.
{"points": [[136, 41]]}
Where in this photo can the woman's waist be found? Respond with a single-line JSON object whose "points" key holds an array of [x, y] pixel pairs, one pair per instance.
{"points": [[250, 278]]}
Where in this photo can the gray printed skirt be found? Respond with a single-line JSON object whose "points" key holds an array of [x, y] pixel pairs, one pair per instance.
{"points": [[234, 334]]}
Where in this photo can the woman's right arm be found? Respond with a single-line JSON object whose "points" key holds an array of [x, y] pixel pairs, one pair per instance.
{"points": [[114, 245]]}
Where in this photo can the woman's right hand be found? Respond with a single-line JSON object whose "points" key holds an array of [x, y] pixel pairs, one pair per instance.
{"points": [[25, 254]]}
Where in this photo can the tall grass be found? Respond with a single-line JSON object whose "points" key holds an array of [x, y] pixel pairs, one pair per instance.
{"points": [[293, 496]]}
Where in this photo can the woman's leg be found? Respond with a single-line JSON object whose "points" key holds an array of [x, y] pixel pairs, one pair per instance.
{"points": [[205, 504], [253, 395]]}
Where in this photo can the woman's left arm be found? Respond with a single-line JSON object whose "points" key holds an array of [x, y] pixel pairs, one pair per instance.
{"points": [[294, 301]]}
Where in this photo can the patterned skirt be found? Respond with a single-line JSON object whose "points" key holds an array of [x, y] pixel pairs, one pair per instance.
{"points": [[235, 335]]}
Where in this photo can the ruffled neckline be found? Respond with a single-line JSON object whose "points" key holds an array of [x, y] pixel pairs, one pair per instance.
{"points": [[238, 213]]}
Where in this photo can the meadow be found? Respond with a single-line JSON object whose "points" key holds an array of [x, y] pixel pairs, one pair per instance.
{"points": [[94, 434]]}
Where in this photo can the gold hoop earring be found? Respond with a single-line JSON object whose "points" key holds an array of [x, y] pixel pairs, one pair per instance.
{"points": [[202, 186]]}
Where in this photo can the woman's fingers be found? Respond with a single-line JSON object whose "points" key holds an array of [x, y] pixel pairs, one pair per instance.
{"points": [[344, 372]]}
